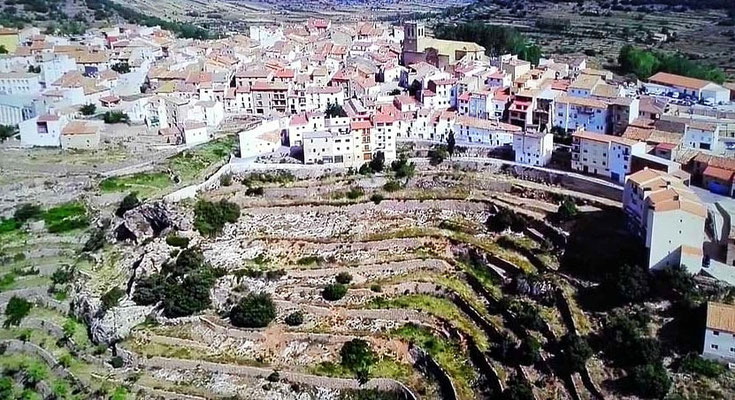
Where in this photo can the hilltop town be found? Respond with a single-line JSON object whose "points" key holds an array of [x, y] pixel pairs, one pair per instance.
{"points": [[358, 210]]}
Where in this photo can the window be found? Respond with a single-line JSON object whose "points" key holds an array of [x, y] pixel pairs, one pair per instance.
{"points": [[714, 346], [716, 333]]}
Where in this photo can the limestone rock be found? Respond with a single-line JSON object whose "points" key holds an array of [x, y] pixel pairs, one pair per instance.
{"points": [[149, 221], [116, 323]]}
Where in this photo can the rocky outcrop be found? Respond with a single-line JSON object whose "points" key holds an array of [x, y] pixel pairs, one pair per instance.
{"points": [[108, 326], [149, 221], [116, 323]]}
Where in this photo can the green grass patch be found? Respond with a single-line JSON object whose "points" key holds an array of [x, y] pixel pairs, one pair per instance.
{"points": [[66, 217], [446, 353], [145, 183], [385, 367], [188, 164], [439, 307], [8, 225]]}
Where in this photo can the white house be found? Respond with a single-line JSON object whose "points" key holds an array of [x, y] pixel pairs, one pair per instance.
{"points": [[262, 139], [701, 135], [54, 66], [533, 148], [483, 131], [80, 135], [719, 332], [664, 211], [195, 132], [43, 131], [317, 98]]}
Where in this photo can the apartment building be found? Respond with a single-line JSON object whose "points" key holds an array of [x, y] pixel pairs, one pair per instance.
{"points": [[19, 83], [604, 155], [533, 148], [661, 209], [269, 98], [572, 113]]}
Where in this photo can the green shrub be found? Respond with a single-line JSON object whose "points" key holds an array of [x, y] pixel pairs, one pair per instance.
{"points": [[210, 218], [392, 186], [275, 274], [334, 291], [650, 380], [377, 198], [295, 318], [357, 356], [355, 193], [225, 180], [403, 169], [575, 352], [95, 241], [128, 203], [377, 163], [529, 351], [506, 219], [567, 210], [273, 377], [112, 298], [694, 364], [116, 362], [253, 311], [88, 109], [309, 260], [115, 117], [254, 191], [8, 225], [343, 278], [149, 290], [177, 241], [99, 349], [375, 287], [26, 212], [7, 281], [16, 309], [518, 389], [63, 275], [66, 217]]}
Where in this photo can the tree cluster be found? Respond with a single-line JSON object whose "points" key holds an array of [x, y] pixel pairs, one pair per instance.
{"points": [[627, 344], [358, 357], [256, 310], [506, 219], [182, 287], [644, 63], [210, 218]]}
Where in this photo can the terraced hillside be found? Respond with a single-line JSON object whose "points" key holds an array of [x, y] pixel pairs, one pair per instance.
{"points": [[597, 31], [451, 283]]}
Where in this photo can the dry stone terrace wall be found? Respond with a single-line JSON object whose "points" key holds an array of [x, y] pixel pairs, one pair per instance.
{"points": [[324, 222], [255, 372], [292, 250]]}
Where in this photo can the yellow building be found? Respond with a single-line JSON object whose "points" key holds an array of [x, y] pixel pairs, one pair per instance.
{"points": [[9, 39]]}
